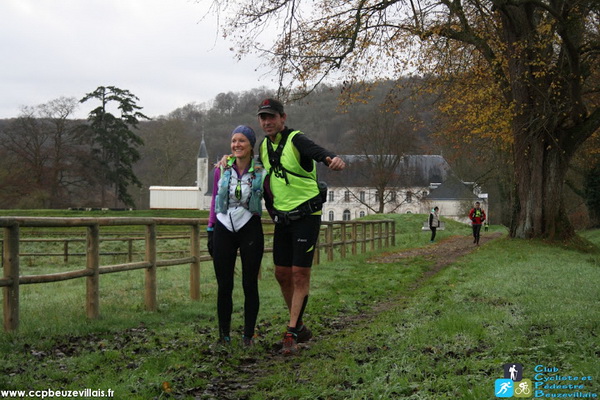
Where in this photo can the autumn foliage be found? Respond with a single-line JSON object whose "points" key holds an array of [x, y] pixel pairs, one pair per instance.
{"points": [[518, 74]]}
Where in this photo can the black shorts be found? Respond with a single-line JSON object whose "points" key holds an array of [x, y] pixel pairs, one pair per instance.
{"points": [[294, 244]]}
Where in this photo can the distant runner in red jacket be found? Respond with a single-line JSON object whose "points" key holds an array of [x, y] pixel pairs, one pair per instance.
{"points": [[477, 216]]}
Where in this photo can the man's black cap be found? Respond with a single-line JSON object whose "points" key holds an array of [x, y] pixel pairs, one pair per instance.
{"points": [[270, 106]]}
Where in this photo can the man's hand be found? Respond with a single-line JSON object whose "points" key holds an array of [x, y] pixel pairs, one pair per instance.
{"points": [[335, 163], [223, 161]]}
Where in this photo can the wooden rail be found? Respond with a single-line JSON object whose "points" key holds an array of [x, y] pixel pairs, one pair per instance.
{"points": [[334, 235], [66, 247]]}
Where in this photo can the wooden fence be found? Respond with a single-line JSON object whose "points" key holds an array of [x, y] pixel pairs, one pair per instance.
{"points": [[346, 236], [67, 252]]}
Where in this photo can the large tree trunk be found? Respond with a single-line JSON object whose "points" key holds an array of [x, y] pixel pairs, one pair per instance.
{"points": [[543, 147], [540, 169]]}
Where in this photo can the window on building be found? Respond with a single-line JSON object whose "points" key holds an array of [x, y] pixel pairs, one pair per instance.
{"points": [[361, 196], [362, 214], [409, 197], [393, 195], [347, 196], [331, 196], [331, 215], [424, 193], [377, 196], [346, 216]]}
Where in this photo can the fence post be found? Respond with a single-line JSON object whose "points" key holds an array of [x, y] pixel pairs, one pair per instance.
{"points": [[354, 238], [329, 236], [363, 244], [92, 306], [373, 238], [66, 252], [150, 291], [129, 250], [10, 260], [393, 233], [195, 265], [343, 237]]}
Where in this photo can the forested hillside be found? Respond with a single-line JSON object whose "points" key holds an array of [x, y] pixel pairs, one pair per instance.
{"points": [[46, 158], [172, 141]]}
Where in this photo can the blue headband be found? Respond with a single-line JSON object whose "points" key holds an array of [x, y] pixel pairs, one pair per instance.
{"points": [[246, 131]]}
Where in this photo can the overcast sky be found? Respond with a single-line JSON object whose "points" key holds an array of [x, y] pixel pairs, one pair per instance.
{"points": [[162, 51]]}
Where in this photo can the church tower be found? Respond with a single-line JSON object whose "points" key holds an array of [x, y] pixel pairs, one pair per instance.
{"points": [[202, 171]]}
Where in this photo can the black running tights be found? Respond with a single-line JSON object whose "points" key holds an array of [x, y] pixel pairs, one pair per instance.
{"points": [[250, 242]]}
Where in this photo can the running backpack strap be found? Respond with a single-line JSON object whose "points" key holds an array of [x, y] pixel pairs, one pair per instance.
{"points": [[275, 157]]}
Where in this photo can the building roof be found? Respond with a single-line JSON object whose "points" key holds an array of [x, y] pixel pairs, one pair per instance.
{"points": [[412, 170], [452, 189]]}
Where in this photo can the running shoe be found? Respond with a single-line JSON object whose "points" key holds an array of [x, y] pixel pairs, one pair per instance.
{"points": [[290, 344], [225, 340], [304, 334], [247, 341]]}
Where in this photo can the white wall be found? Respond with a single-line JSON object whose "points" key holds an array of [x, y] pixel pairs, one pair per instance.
{"points": [[354, 205], [453, 209], [173, 197]]}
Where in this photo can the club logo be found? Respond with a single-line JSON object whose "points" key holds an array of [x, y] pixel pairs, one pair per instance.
{"points": [[513, 384]]}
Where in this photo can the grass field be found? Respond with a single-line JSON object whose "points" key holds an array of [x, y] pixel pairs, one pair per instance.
{"points": [[382, 330]]}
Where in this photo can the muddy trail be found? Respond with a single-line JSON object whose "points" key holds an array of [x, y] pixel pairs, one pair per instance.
{"points": [[232, 384], [444, 253]]}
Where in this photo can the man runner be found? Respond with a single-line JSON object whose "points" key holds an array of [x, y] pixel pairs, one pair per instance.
{"points": [[294, 201]]}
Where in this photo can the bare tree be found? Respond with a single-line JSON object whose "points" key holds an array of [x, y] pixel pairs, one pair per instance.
{"points": [[169, 153], [381, 140], [41, 145], [226, 102], [62, 168]]}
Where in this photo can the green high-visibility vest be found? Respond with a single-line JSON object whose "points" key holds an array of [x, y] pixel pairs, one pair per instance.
{"points": [[296, 185]]}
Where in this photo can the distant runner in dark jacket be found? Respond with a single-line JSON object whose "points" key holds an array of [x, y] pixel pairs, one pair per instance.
{"points": [[434, 222]]}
